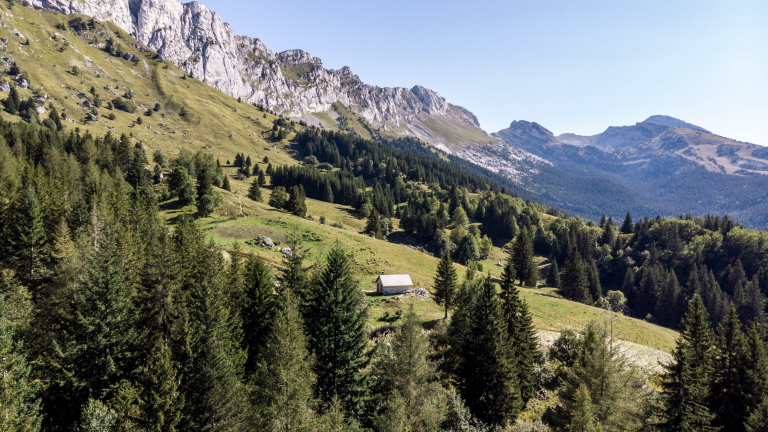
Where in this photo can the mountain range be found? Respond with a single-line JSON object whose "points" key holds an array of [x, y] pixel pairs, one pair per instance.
{"points": [[661, 165]]}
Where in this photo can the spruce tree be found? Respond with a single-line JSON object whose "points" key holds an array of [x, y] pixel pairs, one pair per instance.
{"points": [[553, 274], [522, 256], [283, 381], [262, 180], [627, 227], [756, 372], [270, 170], [489, 378], [583, 418], [445, 283], [575, 285], [373, 225], [593, 280], [254, 192], [162, 401], [258, 310], [521, 332], [408, 379], [750, 302], [226, 186], [729, 383], [336, 330], [612, 381], [296, 204], [28, 240], [278, 198], [685, 386], [19, 406]]}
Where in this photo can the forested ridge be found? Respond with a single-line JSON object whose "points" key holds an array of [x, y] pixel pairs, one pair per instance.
{"points": [[111, 320]]}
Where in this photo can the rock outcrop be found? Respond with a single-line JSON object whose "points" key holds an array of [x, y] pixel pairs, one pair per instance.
{"points": [[292, 82]]}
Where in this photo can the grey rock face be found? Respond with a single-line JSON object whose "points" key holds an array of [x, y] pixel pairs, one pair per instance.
{"points": [[292, 82]]}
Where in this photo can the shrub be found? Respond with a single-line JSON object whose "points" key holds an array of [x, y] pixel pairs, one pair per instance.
{"points": [[111, 116], [123, 105]]}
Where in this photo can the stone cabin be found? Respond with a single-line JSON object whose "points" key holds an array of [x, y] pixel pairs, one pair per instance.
{"points": [[393, 284]]}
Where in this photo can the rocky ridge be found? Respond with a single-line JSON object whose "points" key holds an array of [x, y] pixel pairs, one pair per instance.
{"points": [[292, 83]]}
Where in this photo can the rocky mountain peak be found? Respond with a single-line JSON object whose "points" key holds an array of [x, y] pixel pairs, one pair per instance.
{"points": [[673, 122], [197, 40], [433, 103]]}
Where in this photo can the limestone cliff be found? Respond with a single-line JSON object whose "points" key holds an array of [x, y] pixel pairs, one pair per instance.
{"points": [[292, 82]]}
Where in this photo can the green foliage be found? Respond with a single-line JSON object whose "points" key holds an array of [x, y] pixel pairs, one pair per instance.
{"points": [[488, 376], [254, 192], [258, 310], [296, 204], [575, 285], [445, 283], [283, 380], [336, 329], [19, 405], [278, 198], [584, 418], [124, 105], [553, 275], [686, 380], [373, 225], [97, 417], [522, 257]]}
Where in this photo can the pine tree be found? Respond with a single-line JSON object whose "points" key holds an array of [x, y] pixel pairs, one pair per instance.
{"points": [[336, 330], [373, 225], [553, 275], [409, 381], [489, 379], [19, 406], [296, 204], [258, 310], [162, 400], [226, 186], [445, 283], [13, 101], [574, 283], [262, 180], [609, 235], [612, 381], [294, 275], [756, 372], [248, 161], [283, 380], [750, 302], [583, 418], [758, 419], [627, 227], [99, 355], [270, 170], [593, 280], [729, 383], [29, 241], [254, 192], [522, 256], [685, 386], [521, 332]]}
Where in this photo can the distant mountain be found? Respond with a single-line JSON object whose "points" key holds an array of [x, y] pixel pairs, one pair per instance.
{"points": [[662, 165]]}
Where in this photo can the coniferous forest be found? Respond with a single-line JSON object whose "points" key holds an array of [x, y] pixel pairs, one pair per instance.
{"points": [[110, 320]]}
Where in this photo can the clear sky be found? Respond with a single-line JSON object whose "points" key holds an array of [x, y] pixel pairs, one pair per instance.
{"points": [[571, 66]]}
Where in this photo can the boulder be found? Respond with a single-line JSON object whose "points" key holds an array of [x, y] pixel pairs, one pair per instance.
{"points": [[128, 56], [5, 87], [24, 84], [40, 110]]}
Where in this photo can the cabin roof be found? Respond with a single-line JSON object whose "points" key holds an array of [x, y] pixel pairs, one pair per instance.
{"points": [[395, 280]]}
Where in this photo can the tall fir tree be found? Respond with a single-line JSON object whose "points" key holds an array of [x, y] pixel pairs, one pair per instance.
{"points": [[29, 239], [489, 379], [553, 274], [19, 405], [575, 285], [756, 368], [521, 332], [750, 302], [627, 227], [283, 380], [254, 192], [258, 310], [729, 382], [163, 402], [445, 283], [296, 204], [522, 255], [373, 225], [583, 418], [336, 330], [685, 386]]}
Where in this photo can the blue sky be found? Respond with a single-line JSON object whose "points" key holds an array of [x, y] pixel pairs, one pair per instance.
{"points": [[572, 66]]}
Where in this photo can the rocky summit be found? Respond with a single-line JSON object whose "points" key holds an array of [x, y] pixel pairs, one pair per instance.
{"points": [[291, 83]]}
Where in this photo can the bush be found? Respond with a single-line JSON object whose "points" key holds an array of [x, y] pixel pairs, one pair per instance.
{"points": [[338, 225], [325, 166], [322, 220], [111, 116], [123, 105]]}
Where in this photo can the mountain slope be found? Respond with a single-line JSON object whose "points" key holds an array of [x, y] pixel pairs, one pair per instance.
{"points": [[659, 166], [291, 83]]}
